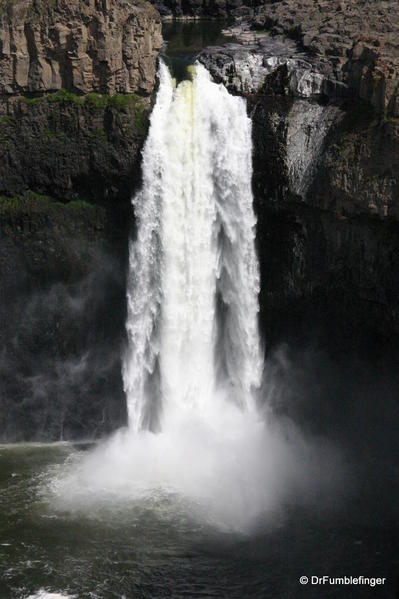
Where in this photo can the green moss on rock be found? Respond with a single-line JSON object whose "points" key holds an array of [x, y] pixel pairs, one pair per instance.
{"points": [[67, 145], [119, 102], [33, 203]]}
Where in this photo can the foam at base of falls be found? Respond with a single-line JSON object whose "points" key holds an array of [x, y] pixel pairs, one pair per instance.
{"points": [[223, 469], [42, 594]]}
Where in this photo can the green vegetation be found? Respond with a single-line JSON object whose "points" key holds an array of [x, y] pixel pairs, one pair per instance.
{"points": [[35, 203], [95, 101], [28, 204], [6, 121], [118, 102], [62, 97], [4, 5], [124, 101], [98, 101]]}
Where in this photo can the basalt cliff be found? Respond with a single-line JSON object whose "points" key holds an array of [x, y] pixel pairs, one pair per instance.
{"points": [[76, 84], [322, 90]]}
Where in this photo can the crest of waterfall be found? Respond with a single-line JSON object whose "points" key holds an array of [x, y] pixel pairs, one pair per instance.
{"points": [[193, 279]]}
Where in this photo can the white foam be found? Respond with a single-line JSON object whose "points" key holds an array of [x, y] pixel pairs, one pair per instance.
{"points": [[42, 594]]}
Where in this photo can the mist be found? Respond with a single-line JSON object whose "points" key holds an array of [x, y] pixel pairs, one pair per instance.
{"points": [[60, 358], [221, 469]]}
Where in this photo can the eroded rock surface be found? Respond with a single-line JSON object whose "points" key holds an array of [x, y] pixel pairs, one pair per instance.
{"points": [[355, 42], [108, 46], [251, 68], [275, 67], [326, 181]]}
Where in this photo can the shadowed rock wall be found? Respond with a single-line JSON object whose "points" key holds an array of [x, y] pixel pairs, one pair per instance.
{"points": [[327, 197], [76, 83]]}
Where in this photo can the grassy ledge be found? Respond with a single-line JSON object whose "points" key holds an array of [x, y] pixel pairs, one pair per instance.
{"points": [[35, 203]]}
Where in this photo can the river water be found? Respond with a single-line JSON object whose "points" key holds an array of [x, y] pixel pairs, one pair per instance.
{"points": [[157, 550]]}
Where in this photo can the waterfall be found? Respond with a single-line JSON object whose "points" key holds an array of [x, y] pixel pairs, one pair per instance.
{"points": [[197, 448], [193, 273]]}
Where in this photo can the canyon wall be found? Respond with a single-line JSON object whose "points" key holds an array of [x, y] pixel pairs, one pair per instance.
{"points": [[322, 93], [76, 83]]}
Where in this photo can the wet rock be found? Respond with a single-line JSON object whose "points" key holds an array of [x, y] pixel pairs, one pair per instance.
{"points": [[251, 68]]}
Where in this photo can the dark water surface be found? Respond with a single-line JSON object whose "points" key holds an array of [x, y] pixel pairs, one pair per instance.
{"points": [[149, 553], [185, 39]]}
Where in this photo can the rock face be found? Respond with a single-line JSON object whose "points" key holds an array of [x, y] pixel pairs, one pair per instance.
{"points": [[76, 79], [327, 197], [252, 68], [70, 147], [109, 46], [355, 42], [62, 280], [274, 67]]}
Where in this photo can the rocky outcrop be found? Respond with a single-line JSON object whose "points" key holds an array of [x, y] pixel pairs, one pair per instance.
{"points": [[320, 125], [274, 67], [108, 46], [356, 43], [251, 68]]}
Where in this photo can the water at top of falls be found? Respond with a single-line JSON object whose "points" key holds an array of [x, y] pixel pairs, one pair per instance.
{"points": [[193, 279]]}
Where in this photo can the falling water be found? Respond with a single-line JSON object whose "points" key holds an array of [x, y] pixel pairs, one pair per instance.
{"points": [[193, 279], [197, 442]]}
